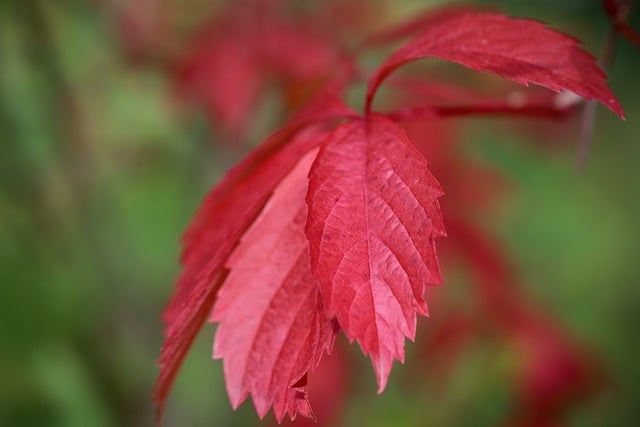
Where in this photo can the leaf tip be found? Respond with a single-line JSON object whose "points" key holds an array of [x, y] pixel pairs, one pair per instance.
{"points": [[382, 367], [614, 105]]}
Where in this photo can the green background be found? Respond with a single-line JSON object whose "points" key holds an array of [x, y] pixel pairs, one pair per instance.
{"points": [[100, 172]]}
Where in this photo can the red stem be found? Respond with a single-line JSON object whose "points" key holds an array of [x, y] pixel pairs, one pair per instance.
{"points": [[539, 111]]}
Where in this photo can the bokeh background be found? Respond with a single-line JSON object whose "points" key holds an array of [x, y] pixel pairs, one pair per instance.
{"points": [[104, 158]]}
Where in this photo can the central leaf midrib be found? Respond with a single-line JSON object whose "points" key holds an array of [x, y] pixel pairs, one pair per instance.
{"points": [[365, 164]]}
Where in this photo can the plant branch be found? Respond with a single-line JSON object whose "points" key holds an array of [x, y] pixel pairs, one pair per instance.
{"points": [[533, 111]]}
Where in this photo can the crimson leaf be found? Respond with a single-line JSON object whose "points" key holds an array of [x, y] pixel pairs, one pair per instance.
{"points": [[522, 50], [373, 218], [273, 328], [231, 206]]}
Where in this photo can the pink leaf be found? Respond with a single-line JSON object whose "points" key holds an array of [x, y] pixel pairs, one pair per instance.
{"points": [[522, 50], [273, 328], [222, 219], [373, 219], [218, 226]]}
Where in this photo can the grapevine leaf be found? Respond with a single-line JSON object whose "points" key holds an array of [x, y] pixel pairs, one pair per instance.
{"points": [[222, 219], [373, 219], [273, 328], [523, 50]]}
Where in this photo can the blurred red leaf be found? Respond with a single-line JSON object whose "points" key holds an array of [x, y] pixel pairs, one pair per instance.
{"points": [[554, 373], [239, 54], [224, 75]]}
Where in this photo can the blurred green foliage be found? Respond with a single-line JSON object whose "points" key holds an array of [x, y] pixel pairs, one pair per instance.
{"points": [[100, 172]]}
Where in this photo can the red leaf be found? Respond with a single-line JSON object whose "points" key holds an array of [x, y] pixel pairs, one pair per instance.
{"points": [[219, 225], [224, 74], [373, 218], [223, 217], [243, 51], [522, 50], [273, 328]]}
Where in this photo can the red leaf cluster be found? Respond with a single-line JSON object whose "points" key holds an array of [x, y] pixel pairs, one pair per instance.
{"points": [[331, 227]]}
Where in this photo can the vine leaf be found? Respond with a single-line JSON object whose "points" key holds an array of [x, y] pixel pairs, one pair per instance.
{"points": [[373, 219], [225, 214], [273, 328], [523, 50]]}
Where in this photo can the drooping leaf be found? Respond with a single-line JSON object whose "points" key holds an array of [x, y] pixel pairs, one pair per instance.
{"points": [[224, 216], [225, 221], [373, 219], [522, 50], [273, 327]]}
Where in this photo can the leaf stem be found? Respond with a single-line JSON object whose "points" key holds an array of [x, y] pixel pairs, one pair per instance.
{"points": [[535, 111]]}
